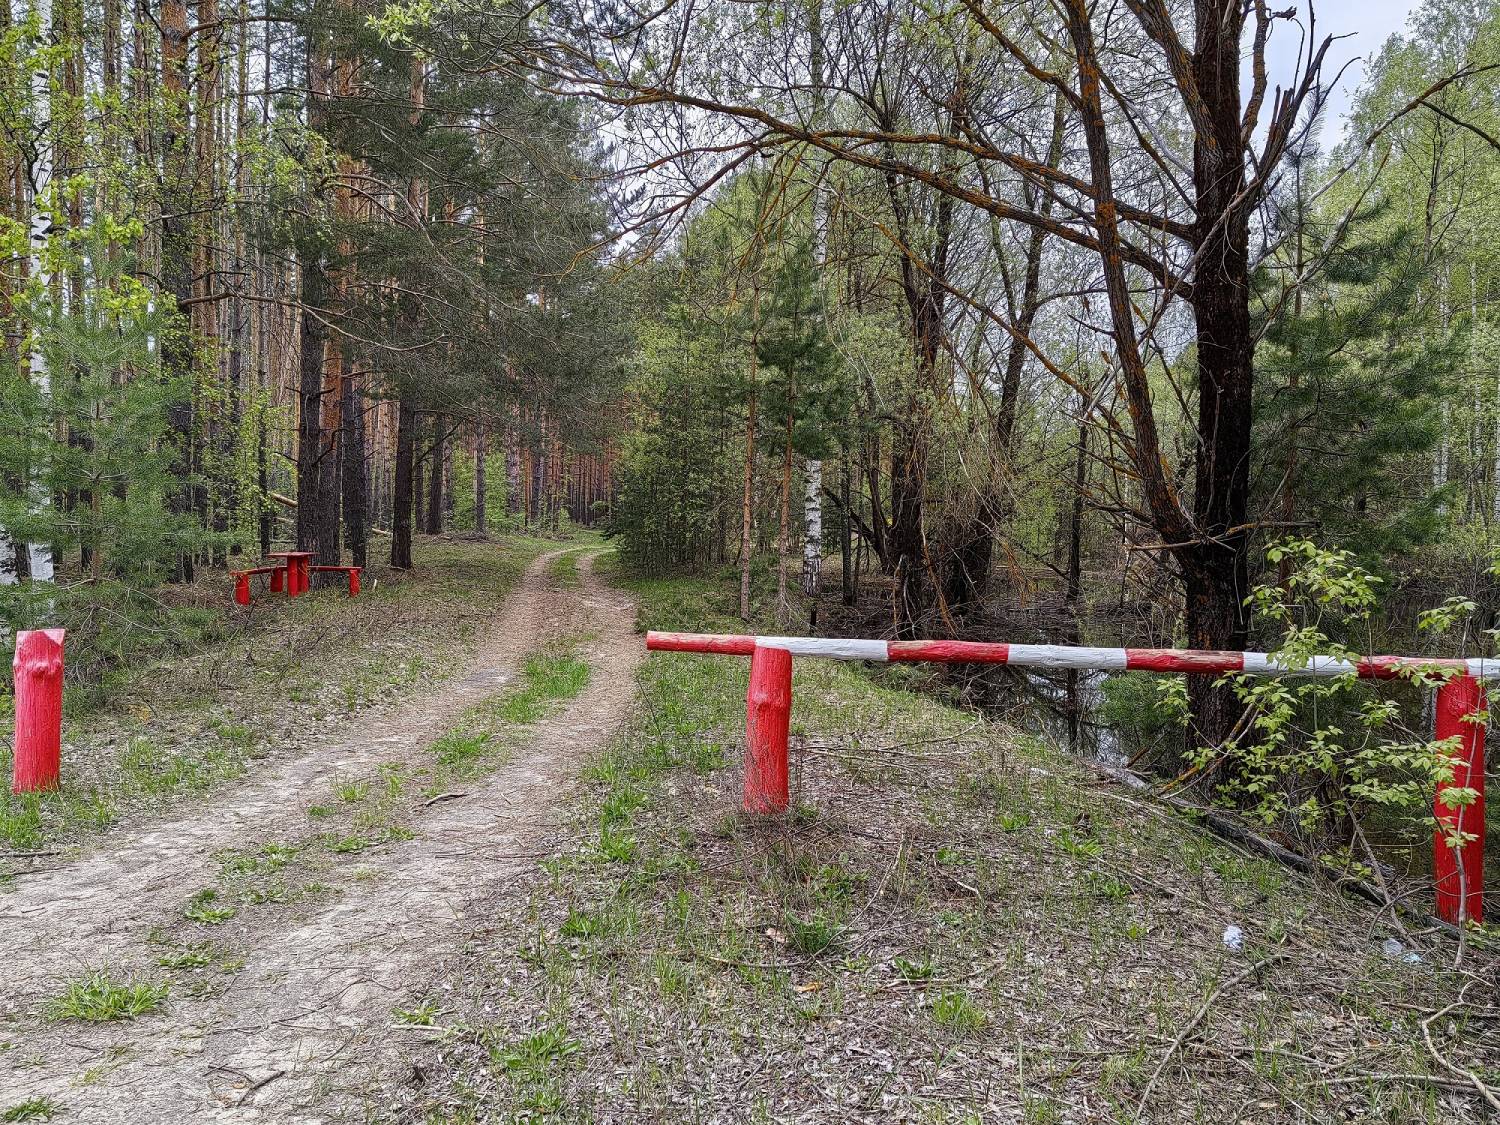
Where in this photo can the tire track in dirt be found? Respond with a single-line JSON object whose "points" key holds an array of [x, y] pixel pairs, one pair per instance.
{"points": [[310, 1012]]}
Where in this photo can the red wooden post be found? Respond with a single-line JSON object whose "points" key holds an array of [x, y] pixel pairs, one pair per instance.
{"points": [[1460, 871], [768, 711], [39, 680], [277, 574], [242, 589], [354, 581]]}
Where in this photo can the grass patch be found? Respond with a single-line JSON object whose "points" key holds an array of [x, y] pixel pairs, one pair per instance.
{"points": [[548, 678], [939, 907], [98, 998], [135, 687], [206, 908], [563, 570], [32, 1109]]}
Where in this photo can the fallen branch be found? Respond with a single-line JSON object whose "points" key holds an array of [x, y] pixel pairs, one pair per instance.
{"points": [[1198, 1018], [1485, 1091], [1229, 829]]}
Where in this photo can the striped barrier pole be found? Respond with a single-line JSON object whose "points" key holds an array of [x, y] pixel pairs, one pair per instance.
{"points": [[1460, 713], [38, 668]]}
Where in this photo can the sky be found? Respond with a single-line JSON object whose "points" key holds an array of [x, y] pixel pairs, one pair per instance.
{"points": [[1366, 23]]}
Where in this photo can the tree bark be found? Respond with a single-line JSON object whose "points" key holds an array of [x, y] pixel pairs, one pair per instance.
{"points": [[481, 495], [401, 501], [353, 472], [435, 476], [176, 263]]}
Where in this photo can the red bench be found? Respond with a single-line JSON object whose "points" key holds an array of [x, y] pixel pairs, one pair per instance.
{"points": [[351, 571], [242, 581]]}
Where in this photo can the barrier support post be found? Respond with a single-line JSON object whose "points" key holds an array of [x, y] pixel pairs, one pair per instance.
{"points": [[38, 667], [1460, 871], [768, 710], [241, 589]]}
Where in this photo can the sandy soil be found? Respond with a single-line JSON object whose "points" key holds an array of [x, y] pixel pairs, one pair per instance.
{"points": [[306, 1025]]}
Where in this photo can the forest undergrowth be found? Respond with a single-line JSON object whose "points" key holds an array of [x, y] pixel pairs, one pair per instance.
{"points": [[955, 922], [255, 683]]}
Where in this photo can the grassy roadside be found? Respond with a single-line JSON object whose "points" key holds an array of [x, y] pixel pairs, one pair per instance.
{"points": [[953, 924], [272, 884], [269, 682]]}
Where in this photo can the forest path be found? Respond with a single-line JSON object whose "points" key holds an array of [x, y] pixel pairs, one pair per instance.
{"points": [[310, 1012]]}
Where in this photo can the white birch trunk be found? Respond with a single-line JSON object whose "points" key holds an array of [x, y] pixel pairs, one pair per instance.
{"points": [[812, 502], [38, 554]]}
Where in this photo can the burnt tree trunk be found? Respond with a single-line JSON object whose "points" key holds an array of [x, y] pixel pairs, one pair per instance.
{"points": [[1216, 567]]}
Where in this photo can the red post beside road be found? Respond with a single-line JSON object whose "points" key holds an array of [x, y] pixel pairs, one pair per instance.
{"points": [[38, 670], [1460, 871], [768, 712]]}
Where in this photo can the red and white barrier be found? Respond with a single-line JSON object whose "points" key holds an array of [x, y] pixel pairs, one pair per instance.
{"points": [[38, 668], [1460, 714]]}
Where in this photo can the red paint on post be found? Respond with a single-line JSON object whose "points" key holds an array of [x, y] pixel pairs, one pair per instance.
{"points": [[354, 581], [242, 589], [948, 652], [39, 682], [276, 579], [718, 643], [1183, 660], [768, 712], [1460, 871]]}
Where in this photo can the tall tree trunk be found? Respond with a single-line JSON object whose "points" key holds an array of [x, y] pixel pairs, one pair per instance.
{"points": [[312, 353], [747, 503], [178, 200], [353, 472], [846, 533], [784, 530], [401, 500], [435, 475], [1216, 566], [481, 498], [812, 497], [514, 499]]}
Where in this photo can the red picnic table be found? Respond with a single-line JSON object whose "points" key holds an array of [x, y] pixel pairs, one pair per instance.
{"points": [[297, 563], [292, 572]]}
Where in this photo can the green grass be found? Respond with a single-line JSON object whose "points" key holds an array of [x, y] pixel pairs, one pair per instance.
{"points": [[32, 1109], [548, 678], [563, 570], [134, 688], [956, 1011], [98, 998], [205, 907], [974, 889]]}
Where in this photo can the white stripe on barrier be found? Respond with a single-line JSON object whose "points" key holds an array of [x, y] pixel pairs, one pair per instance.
{"points": [[838, 648], [1066, 656], [1482, 668], [1263, 664]]}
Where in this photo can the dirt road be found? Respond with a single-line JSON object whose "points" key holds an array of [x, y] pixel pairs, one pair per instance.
{"points": [[307, 1021]]}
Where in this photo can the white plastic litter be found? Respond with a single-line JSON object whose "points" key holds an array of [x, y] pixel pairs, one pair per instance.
{"points": [[1398, 952], [1234, 938]]}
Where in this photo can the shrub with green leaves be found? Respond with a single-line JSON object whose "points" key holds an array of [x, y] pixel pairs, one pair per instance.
{"points": [[1318, 754]]}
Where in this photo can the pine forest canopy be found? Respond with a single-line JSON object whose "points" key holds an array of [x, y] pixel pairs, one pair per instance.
{"points": [[985, 299]]}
